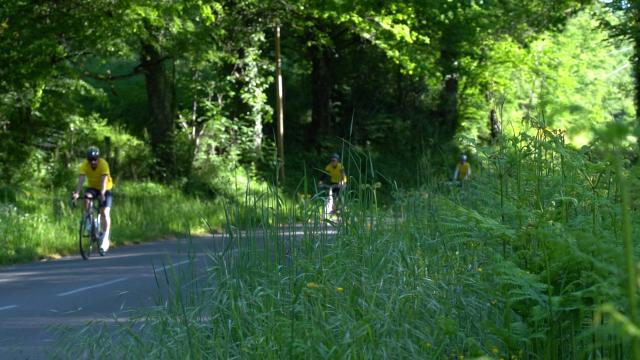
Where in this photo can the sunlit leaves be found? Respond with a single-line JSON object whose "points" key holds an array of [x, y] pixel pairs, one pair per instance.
{"points": [[4, 25], [209, 12], [575, 80]]}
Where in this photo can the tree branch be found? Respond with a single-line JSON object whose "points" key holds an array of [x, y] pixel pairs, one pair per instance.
{"points": [[136, 71], [110, 77]]}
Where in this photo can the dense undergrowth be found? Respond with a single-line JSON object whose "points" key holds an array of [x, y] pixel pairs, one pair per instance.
{"points": [[530, 260]]}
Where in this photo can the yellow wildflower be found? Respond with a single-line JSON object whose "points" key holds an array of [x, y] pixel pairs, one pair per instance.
{"points": [[479, 269], [339, 289], [495, 350], [312, 285]]}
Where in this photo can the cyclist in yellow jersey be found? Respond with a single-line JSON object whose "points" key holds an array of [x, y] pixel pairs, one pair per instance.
{"points": [[463, 169], [334, 173], [96, 171]]}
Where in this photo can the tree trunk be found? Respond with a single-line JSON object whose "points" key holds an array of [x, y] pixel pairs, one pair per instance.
{"points": [[447, 111], [279, 108], [320, 92], [160, 84], [400, 94], [635, 61], [448, 107], [495, 128]]}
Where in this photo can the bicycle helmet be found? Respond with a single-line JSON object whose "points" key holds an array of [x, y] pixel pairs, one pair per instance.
{"points": [[335, 156], [93, 153], [463, 157]]}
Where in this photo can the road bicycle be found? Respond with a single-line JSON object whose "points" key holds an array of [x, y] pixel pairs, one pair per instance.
{"points": [[89, 236]]}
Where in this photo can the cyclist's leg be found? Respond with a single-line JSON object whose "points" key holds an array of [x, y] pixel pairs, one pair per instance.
{"points": [[89, 194], [105, 213], [336, 193], [328, 205]]}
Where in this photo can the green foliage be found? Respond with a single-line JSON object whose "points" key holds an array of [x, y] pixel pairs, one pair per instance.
{"points": [[386, 67], [35, 224], [37, 122], [576, 80], [522, 262]]}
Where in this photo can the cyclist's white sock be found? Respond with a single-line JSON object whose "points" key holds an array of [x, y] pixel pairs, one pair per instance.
{"points": [[105, 241]]}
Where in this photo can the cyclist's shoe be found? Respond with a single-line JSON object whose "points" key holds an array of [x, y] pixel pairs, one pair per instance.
{"points": [[104, 243], [102, 250]]}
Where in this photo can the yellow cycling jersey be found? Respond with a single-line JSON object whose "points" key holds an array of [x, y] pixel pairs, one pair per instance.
{"points": [[463, 170], [336, 173], [94, 176]]}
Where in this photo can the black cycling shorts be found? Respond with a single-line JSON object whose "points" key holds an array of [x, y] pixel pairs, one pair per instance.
{"points": [[95, 193], [335, 190]]}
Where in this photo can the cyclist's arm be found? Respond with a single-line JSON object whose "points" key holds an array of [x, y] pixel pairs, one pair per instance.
{"points": [[79, 185], [456, 173], [343, 175], [76, 194], [469, 172], [103, 185], [324, 177]]}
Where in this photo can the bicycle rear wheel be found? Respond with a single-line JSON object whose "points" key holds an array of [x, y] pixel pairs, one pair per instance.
{"points": [[85, 238]]}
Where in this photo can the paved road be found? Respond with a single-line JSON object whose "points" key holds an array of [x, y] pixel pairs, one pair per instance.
{"points": [[36, 297]]}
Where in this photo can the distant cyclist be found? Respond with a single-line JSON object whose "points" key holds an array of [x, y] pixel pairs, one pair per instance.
{"points": [[463, 169], [336, 177], [96, 171]]}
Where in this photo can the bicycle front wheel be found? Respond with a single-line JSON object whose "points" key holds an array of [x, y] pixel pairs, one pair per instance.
{"points": [[85, 240]]}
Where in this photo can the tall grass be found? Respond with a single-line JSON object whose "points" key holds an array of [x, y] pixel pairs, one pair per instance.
{"points": [[523, 263], [376, 285]]}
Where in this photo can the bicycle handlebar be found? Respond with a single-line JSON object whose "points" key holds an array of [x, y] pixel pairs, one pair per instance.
{"points": [[94, 200], [330, 186]]}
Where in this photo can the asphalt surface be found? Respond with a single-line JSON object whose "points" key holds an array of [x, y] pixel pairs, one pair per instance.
{"points": [[38, 298]]}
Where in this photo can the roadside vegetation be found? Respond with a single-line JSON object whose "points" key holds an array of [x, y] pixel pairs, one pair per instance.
{"points": [[44, 225], [527, 260]]}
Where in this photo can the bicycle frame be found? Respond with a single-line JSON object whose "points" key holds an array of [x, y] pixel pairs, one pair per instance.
{"points": [[90, 222]]}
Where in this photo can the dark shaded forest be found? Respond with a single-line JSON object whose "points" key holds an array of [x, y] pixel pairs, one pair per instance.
{"points": [[176, 90]]}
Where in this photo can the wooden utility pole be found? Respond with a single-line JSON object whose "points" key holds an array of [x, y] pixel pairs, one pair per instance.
{"points": [[279, 106]]}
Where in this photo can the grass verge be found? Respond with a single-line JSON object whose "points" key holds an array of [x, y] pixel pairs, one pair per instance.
{"points": [[42, 225]]}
